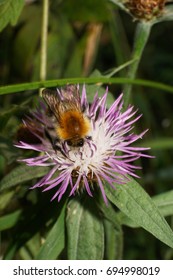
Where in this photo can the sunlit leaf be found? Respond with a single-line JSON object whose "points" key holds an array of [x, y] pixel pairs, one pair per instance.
{"points": [[113, 231], [9, 220], [163, 201], [133, 201], [9, 12], [21, 174], [85, 233], [113, 241]]}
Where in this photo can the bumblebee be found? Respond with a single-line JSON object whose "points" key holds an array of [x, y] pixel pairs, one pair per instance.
{"points": [[69, 122]]}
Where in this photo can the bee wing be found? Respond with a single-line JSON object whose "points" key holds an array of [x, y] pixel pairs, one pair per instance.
{"points": [[71, 91], [65, 99], [52, 100], [71, 96]]}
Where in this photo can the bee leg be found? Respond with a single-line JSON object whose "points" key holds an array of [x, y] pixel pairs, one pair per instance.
{"points": [[54, 142], [48, 136], [58, 147]]}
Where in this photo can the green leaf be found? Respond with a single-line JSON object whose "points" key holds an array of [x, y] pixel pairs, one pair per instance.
{"points": [[22, 174], [92, 89], [113, 71], [34, 217], [119, 4], [5, 199], [76, 59], [93, 80], [86, 11], [8, 221], [2, 2], [133, 201], [54, 243], [110, 214], [8, 151], [113, 242], [5, 115], [125, 220], [113, 232], [84, 231], [9, 12], [160, 143], [163, 201], [30, 248]]}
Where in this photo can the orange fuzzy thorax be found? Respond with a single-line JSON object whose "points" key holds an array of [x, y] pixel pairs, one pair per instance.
{"points": [[73, 124]]}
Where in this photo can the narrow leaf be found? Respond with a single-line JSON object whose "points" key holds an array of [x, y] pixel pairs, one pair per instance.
{"points": [[163, 201], [133, 201], [22, 174], [54, 243], [32, 246], [8, 151], [113, 231], [114, 242], [84, 231], [5, 199], [158, 144], [33, 218], [8, 221], [84, 80]]}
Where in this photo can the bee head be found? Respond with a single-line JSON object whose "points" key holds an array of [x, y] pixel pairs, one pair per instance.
{"points": [[75, 142]]}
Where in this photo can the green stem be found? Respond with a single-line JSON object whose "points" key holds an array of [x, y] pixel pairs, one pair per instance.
{"points": [[142, 33], [43, 55]]}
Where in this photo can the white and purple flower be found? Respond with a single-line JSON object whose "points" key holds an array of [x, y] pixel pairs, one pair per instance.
{"points": [[108, 155]]}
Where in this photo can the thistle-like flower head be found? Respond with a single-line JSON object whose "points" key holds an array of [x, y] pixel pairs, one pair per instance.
{"points": [[145, 9], [107, 154]]}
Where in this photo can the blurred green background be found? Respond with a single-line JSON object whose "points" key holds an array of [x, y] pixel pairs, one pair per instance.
{"points": [[83, 36]]}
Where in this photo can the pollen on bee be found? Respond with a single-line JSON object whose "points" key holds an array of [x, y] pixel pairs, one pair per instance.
{"points": [[72, 124]]}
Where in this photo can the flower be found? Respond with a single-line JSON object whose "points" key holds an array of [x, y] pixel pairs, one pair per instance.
{"points": [[145, 9], [106, 155]]}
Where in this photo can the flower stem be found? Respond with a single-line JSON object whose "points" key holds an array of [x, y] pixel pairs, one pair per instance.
{"points": [[44, 32], [142, 33]]}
